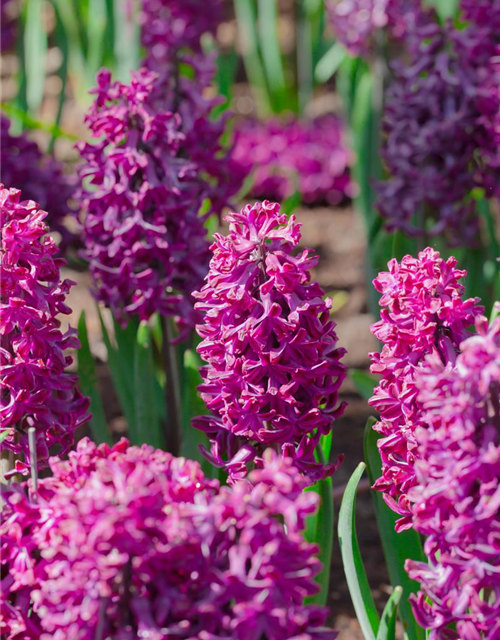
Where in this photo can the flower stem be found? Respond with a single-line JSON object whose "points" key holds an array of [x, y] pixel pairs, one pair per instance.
{"points": [[172, 389]]}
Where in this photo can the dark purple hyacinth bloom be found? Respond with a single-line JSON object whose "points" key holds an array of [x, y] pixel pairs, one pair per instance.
{"points": [[457, 494], [274, 367], [308, 157], [171, 35], [442, 131], [36, 391], [40, 178], [357, 24], [144, 239], [423, 313], [131, 542]]}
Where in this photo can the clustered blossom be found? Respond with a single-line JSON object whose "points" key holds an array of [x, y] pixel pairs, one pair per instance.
{"points": [[131, 542], [442, 130], [36, 391], [144, 239], [39, 177], [457, 495], [357, 23], [308, 157], [171, 35], [274, 367], [423, 314]]}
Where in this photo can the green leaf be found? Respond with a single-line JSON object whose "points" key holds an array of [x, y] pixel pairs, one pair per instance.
{"points": [[364, 382], [247, 29], [4, 434], [121, 371], [292, 202], [271, 53], [88, 385], [357, 582], [398, 547], [35, 46], [387, 629], [192, 406], [444, 8], [147, 426], [330, 62], [126, 40], [320, 530]]}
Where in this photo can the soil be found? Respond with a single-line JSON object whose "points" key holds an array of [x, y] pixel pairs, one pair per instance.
{"points": [[336, 234]]}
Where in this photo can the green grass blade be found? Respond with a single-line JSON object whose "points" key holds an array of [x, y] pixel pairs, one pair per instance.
{"points": [[397, 546], [96, 33], [147, 425], [62, 43], [387, 629], [35, 46], [88, 385], [361, 595]]}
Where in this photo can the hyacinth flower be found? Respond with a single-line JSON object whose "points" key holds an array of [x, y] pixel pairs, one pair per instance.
{"points": [[171, 33], [132, 542], [37, 391], [357, 23], [456, 497], [440, 126], [144, 240], [40, 178], [291, 156], [274, 368], [423, 314]]}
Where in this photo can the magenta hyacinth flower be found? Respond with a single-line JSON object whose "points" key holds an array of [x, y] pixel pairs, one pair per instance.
{"points": [[274, 368], [36, 389], [144, 239], [288, 156], [456, 498], [40, 178], [423, 314], [132, 543]]}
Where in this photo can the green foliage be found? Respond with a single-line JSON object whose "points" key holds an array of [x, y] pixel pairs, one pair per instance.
{"points": [[364, 382], [89, 384]]}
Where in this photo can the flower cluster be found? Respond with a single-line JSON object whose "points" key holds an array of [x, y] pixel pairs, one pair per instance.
{"points": [[132, 542], [274, 367], [144, 239], [441, 130], [356, 22], [171, 35], [457, 495], [23, 166], [169, 27], [308, 157], [36, 391], [423, 314]]}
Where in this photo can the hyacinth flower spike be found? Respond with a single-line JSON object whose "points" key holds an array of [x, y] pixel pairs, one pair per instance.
{"points": [[423, 313], [274, 368], [37, 391]]}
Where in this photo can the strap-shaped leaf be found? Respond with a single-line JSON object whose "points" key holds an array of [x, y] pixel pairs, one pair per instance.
{"points": [[387, 629], [398, 547], [364, 382], [359, 589], [121, 369], [88, 384], [147, 424]]}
